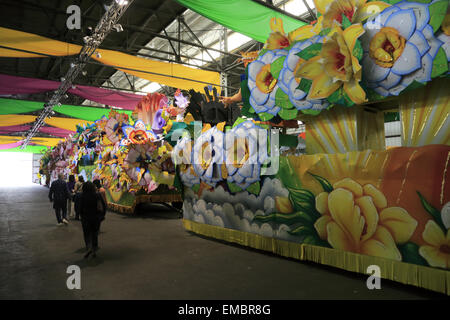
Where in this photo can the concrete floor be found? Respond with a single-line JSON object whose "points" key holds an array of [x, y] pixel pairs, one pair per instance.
{"points": [[151, 256]]}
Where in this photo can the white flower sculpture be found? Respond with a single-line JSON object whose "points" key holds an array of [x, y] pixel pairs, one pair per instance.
{"points": [[183, 150], [262, 84], [399, 47], [289, 83], [245, 154], [208, 156]]}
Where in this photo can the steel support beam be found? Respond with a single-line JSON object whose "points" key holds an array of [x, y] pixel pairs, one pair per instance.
{"points": [[103, 28]]}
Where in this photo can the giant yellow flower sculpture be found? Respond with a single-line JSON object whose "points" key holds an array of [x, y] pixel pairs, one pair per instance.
{"points": [[355, 10], [437, 249], [356, 218], [336, 66]]}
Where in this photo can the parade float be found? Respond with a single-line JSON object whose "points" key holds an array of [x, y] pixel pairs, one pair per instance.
{"points": [[131, 155], [348, 202]]}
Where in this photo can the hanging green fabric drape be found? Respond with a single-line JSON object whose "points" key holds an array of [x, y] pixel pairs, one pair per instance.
{"points": [[244, 16], [86, 113], [29, 149], [12, 106]]}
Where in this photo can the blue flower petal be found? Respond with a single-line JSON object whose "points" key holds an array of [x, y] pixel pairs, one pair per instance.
{"points": [[391, 80], [302, 104], [420, 11], [258, 108], [395, 91], [382, 17], [274, 110], [381, 91], [372, 71], [418, 39], [246, 170], [267, 58], [254, 68], [404, 21], [283, 77], [260, 97], [434, 43], [295, 93], [423, 74], [408, 61]]}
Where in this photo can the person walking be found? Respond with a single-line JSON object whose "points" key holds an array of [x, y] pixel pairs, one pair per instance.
{"points": [[92, 211], [59, 193], [78, 189], [71, 187]]}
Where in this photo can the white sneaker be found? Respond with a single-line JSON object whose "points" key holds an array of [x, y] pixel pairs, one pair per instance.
{"points": [[65, 221], [59, 224]]}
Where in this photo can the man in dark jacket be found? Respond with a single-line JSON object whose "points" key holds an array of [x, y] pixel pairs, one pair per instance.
{"points": [[59, 193]]}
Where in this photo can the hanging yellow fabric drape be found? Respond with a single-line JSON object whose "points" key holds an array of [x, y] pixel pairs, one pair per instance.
{"points": [[31, 42], [169, 74], [10, 139], [165, 71], [425, 115], [66, 123], [15, 119], [49, 142]]}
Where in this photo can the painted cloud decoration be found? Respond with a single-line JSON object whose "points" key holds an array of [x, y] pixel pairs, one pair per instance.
{"points": [[399, 47]]}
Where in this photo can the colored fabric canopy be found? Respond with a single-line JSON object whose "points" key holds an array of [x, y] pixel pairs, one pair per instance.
{"points": [[63, 123], [11, 129], [244, 16], [10, 106], [15, 119], [66, 123], [58, 132], [28, 149], [22, 85], [86, 113], [62, 133], [170, 74], [10, 145]]}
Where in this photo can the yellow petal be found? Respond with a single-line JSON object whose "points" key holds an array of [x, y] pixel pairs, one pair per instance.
{"points": [[321, 226], [310, 69], [369, 211], [276, 25], [355, 92], [321, 5], [322, 202], [318, 26], [339, 239], [381, 245], [206, 127], [378, 198], [346, 214], [351, 34], [283, 204], [370, 9], [220, 126], [323, 86], [301, 33], [433, 235], [399, 223], [350, 185], [434, 257], [188, 118]]}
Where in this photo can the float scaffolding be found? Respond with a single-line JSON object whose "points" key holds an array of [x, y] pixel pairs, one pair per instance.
{"points": [[348, 202]]}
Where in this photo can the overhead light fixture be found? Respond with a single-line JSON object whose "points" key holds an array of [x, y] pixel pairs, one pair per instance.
{"points": [[84, 73], [118, 27], [122, 2]]}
